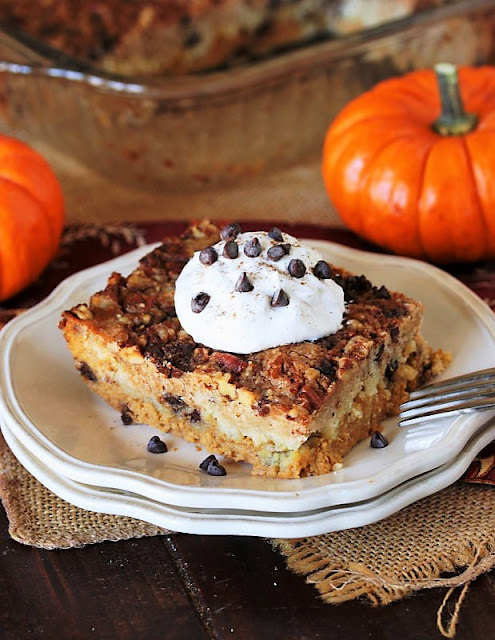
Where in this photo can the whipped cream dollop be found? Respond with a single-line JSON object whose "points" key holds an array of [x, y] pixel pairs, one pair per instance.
{"points": [[257, 290]]}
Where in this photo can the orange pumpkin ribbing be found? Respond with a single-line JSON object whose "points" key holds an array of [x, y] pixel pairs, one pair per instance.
{"points": [[31, 215], [403, 186]]}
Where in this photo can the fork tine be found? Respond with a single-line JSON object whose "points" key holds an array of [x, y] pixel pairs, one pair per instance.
{"points": [[450, 393], [446, 402], [468, 392], [486, 375], [439, 411]]}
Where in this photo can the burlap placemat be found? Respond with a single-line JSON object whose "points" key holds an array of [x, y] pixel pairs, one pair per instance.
{"points": [[445, 540], [38, 518], [451, 532]]}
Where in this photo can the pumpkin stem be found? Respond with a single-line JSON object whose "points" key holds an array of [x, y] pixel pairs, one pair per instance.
{"points": [[453, 120]]}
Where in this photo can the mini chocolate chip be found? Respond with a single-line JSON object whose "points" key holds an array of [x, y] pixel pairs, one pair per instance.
{"points": [[328, 342], [355, 287], [328, 367], [192, 39], [394, 333], [390, 370], [381, 292], [252, 248], [230, 250], [204, 465], [195, 415], [208, 256], [296, 268], [155, 445], [178, 354], [280, 299], [243, 284], [394, 312], [126, 417], [378, 440], [176, 402], [322, 270], [215, 469], [199, 302], [212, 466], [87, 372], [230, 231], [276, 234], [278, 251], [379, 352]]}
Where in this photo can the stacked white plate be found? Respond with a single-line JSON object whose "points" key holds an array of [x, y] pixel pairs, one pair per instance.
{"points": [[78, 447]]}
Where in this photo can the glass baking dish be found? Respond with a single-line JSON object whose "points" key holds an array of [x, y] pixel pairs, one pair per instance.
{"points": [[189, 132]]}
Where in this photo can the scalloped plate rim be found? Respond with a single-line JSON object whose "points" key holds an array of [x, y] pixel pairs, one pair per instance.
{"points": [[282, 499]]}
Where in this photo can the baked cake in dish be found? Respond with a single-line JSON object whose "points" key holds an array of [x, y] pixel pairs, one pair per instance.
{"points": [[291, 402], [150, 37]]}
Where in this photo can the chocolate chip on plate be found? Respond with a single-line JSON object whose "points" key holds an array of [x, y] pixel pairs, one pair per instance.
{"points": [[378, 440], [212, 466], [126, 417], [199, 302], [204, 464], [155, 445]]}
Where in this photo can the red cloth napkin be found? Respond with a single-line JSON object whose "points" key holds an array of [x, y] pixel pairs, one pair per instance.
{"points": [[482, 469]]}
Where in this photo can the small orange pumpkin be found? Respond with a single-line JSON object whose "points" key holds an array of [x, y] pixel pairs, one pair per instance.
{"points": [[31, 215], [410, 180]]}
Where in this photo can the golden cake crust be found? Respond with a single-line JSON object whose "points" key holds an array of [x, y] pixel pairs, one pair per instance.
{"points": [[291, 410]]}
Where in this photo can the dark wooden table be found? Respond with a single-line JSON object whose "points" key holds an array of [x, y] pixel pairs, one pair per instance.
{"points": [[194, 587], [186, 586]]}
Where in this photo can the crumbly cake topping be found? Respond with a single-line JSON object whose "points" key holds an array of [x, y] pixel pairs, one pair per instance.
{"points": [[181, 36], [258, 290], [138, 311]]}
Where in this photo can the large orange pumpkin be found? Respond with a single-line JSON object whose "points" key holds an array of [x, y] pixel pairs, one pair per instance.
{"points": [[31, 215], [410, 164]]}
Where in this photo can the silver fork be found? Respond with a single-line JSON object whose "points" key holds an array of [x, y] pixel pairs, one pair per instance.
{"points": [[470, 392]]}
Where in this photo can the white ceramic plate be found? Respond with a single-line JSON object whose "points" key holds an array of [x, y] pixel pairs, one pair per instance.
{"points": [[83, 439], [249, 523]]}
